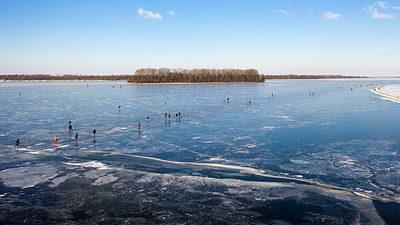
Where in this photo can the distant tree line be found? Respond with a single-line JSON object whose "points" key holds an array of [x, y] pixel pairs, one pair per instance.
{"points": [[295, 76], [165, 75], [64, 77]]}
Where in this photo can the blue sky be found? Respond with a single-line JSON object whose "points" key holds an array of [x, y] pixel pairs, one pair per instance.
{"points": [[273, 36]]}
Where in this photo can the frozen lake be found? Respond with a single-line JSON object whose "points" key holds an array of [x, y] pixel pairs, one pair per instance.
{"points": [[328, 149]]}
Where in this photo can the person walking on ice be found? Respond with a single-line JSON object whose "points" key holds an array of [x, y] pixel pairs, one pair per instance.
{"points": [[70, 127], [94, 135], [76, 138], [17, 143]]}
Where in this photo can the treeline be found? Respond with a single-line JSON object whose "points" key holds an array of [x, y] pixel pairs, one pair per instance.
{"points": [[165, 75], [64, 77], [294, 76]]}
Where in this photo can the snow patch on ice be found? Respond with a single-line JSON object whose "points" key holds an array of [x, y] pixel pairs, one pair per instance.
{"points": [[28, 176], [62, 146], [242, 138], [299, 161], [216, 159], [115, 129], [269, 128], [389, 92], [105, 180], [250, 145], [59, 180], [91, 164], [95, 174], [243, 151], [286, 118], [361, 195]]}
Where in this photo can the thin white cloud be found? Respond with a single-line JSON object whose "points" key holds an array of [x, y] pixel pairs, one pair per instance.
{"points": [[373, 10], [171, 12], [396, 7], [383, 5], [331, 16], [284, 12], [149, 14], [376, 15]]}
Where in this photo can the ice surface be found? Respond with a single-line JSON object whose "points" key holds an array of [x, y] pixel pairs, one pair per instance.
{"points": [[343, 139]]}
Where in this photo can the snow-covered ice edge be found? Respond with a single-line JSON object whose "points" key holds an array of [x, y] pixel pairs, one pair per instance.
{"points": [[389, 92]]}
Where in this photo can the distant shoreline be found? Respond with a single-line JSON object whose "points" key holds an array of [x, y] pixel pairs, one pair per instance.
{"points": [[42, 77], [2, 80], [309, 77], [47, 77]]}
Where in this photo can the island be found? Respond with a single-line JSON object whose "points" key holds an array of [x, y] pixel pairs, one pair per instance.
{"points": [[165, 75]]}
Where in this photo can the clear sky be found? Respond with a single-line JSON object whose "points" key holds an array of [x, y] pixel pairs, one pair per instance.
{"points": [[273, 36]]}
